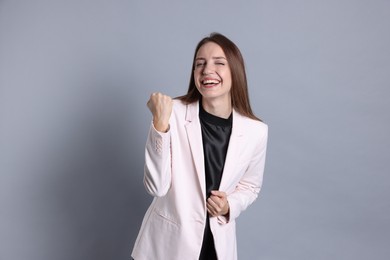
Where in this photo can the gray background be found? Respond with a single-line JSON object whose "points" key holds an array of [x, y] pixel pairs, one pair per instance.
{"points": [[74, 80]]}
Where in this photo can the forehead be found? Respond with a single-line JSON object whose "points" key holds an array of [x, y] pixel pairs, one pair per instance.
{"points": [[210, 49]]}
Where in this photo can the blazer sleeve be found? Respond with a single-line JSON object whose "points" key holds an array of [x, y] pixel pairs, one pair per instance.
{"points": [[250, 183], [157, 169]]}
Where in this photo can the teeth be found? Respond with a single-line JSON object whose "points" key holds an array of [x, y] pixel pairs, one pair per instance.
{"points": [[210, 81]]}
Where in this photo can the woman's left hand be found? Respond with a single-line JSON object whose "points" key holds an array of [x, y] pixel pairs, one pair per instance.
{"points": [[217, 204]]}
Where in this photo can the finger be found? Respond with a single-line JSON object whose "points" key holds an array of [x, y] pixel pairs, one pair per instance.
{"points": [[211, 210], [218, 193], [212, 202], [216, 205], [151, 99], [215, 201], [220, 200], [213, 214], [210, 207]]}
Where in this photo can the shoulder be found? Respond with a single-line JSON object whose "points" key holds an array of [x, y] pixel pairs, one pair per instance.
{"points": [[184, 111], [177, 103], [180, 106], [253, 131], [255, 123], [249, 124]]}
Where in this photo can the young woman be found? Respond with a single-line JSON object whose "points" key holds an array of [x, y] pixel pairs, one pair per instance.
{"points": [[204, 160]]}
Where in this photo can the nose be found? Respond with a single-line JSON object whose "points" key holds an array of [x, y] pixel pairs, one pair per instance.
{"points": [[207, 69]]}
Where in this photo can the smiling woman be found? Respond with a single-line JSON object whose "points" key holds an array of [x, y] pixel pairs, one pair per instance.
{"points": [[204, 160], [213, 79], [231, 56]]}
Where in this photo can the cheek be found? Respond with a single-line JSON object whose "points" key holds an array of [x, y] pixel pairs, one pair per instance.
{"points": [[196, 78], [228, 82], [226, 76]]}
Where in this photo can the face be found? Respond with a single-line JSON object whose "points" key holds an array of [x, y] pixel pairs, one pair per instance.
{"points": [[212, 73]]}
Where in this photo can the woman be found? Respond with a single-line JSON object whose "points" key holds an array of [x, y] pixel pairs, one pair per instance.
{"points": [[204, 160]]}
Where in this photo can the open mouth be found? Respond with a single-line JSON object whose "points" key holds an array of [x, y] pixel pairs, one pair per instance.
{"points": [[210, 82]]}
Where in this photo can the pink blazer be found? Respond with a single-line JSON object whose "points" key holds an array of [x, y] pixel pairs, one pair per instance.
{"points": [[173, 226]]}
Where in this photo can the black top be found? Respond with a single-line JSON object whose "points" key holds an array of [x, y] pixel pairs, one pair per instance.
{"points": [[215, 135]]}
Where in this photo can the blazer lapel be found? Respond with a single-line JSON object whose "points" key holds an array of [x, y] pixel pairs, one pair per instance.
{"points": [[194, 135], [233, 151]]}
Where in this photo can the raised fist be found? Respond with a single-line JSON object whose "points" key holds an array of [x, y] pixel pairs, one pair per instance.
{"points": [[161, 107]]}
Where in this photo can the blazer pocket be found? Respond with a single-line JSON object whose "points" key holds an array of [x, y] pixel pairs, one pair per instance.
{"points": [[165, 217], [161, 228]]}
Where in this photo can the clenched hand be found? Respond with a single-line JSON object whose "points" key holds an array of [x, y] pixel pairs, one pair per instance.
{"points": [[161, 107], [217, 204]]}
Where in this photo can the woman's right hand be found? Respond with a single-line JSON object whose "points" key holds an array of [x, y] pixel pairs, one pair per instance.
{"points": [[161, 107]]}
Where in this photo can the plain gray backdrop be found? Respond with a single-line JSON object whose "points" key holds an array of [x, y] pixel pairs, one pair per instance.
{"points": [[74, 80]]}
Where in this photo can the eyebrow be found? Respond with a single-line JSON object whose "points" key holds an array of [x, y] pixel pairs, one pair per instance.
{"points": [[214, 58]]}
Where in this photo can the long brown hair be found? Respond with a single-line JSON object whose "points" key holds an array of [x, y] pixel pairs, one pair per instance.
{"points": [[239, 89]]}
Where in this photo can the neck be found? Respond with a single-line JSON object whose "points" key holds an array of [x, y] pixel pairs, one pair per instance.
{"points": [[219, 109]]}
